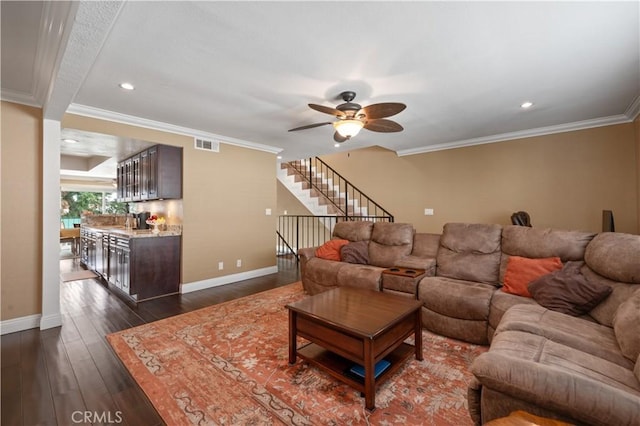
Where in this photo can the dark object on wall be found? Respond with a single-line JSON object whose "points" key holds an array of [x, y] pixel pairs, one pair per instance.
{"points": [[521, 219], [607, 221]]}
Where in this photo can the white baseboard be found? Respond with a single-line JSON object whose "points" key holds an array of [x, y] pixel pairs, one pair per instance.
{"points": [[50, 321], [19, 324], [227, 279]]}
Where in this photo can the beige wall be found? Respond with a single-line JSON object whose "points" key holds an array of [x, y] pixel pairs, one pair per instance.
{"points": [[564, 180], [21, 216], [310, 231], [225, 195], [289, 203]]}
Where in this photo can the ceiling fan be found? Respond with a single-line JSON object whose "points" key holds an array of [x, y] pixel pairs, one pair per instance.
{"points": [[353, 117]]}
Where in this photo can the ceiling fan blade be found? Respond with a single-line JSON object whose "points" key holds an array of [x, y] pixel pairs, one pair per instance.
{"points": [[328, 110], [384, 126], [387, 109], [309, 126], [339, 138]]}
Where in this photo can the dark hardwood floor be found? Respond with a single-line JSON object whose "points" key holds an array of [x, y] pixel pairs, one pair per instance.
{"points": [[69, 375]]}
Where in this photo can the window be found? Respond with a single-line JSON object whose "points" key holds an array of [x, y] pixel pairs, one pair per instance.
{"points": [[73, 205]]}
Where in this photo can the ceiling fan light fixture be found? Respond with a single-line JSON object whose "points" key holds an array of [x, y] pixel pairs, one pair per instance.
{"points": [[348, 128]]}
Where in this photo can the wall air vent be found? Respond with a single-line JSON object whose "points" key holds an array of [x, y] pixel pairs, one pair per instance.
{"points": [[206, 145]]}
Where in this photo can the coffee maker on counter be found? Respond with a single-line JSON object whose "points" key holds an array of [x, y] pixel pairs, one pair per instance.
{"points": [[141, 220]]}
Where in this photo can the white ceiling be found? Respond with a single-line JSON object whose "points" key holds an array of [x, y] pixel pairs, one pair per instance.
{"points": [[244, 72]]}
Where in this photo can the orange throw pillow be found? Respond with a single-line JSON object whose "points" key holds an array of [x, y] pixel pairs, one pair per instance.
{"points": [[522, 270], [331, 249]]}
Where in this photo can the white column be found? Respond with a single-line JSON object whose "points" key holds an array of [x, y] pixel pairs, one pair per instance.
{"points": [[50, 225]]}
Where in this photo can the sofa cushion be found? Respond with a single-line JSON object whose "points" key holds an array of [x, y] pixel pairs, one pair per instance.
{"points": [[566, 380], [605, 311], [355, 252], [587, 336], [360, 276], [353, 230], [321, 275], [568, 291], [467, 300], [389, 243], [331, 249], [521, 271], [626, 325], [472, 331], [542, 242], [615, 255], [470, 252], [425, 245], [414, 262], [501, 302]]}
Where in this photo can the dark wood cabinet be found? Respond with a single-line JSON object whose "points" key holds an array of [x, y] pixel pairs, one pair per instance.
{"points": [[144, 173], [152, 173], [143, 268], [117, 268], [112, 264], [135, 178], [105, 257], [120, 180], [136, 268], [99, 258], [154, 266], [88, 249], [128, 179], [155, 173]]}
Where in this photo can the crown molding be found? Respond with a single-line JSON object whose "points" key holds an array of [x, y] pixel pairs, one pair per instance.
{"points": [[117, 117], [540, 131], [634, 109], [53, 32], [22, 98]]}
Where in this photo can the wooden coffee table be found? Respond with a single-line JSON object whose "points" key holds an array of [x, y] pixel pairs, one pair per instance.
{"points": [[348, 326]]}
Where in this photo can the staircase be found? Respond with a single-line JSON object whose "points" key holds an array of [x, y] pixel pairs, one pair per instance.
{"points": [[325, 192], [329, 196]]}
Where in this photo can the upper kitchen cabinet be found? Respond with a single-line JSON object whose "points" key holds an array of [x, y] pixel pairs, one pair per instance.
{"points": [[155, 173]]}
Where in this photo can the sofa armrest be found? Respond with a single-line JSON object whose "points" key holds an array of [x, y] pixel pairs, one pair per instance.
{"points": [[307, 253], [474, 392], [563, 390], [304, 256], [415, 262]]}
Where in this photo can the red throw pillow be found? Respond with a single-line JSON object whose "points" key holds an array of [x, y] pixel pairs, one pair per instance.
{"points": [[522, 270], [331, 249]]}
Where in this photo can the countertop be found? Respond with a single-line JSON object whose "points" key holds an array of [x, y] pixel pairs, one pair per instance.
{"points": [[133, 233]]}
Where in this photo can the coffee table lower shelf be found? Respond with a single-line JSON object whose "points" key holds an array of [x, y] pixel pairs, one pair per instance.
{"points": [[338, 366]]}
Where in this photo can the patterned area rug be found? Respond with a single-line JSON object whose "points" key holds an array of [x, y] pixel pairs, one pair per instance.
{"points": [[228, 364]]}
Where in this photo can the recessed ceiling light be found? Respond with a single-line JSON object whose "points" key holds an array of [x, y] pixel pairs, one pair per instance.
{"points": [[126, 86], [279, 157], [337, 145], [526, 105], [69, 140]]}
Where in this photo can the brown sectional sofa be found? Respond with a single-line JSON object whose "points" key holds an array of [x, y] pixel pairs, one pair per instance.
{"points": [[584, 370], [389, 244]]}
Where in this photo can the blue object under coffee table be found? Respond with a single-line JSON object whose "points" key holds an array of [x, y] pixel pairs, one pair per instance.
{"points": [[349, 325]]}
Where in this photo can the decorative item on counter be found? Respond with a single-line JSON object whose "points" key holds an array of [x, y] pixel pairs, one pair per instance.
{"points": [[155, 221]]}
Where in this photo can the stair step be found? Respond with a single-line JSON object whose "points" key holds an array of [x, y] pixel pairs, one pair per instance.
{"points": [[322, 189]]}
